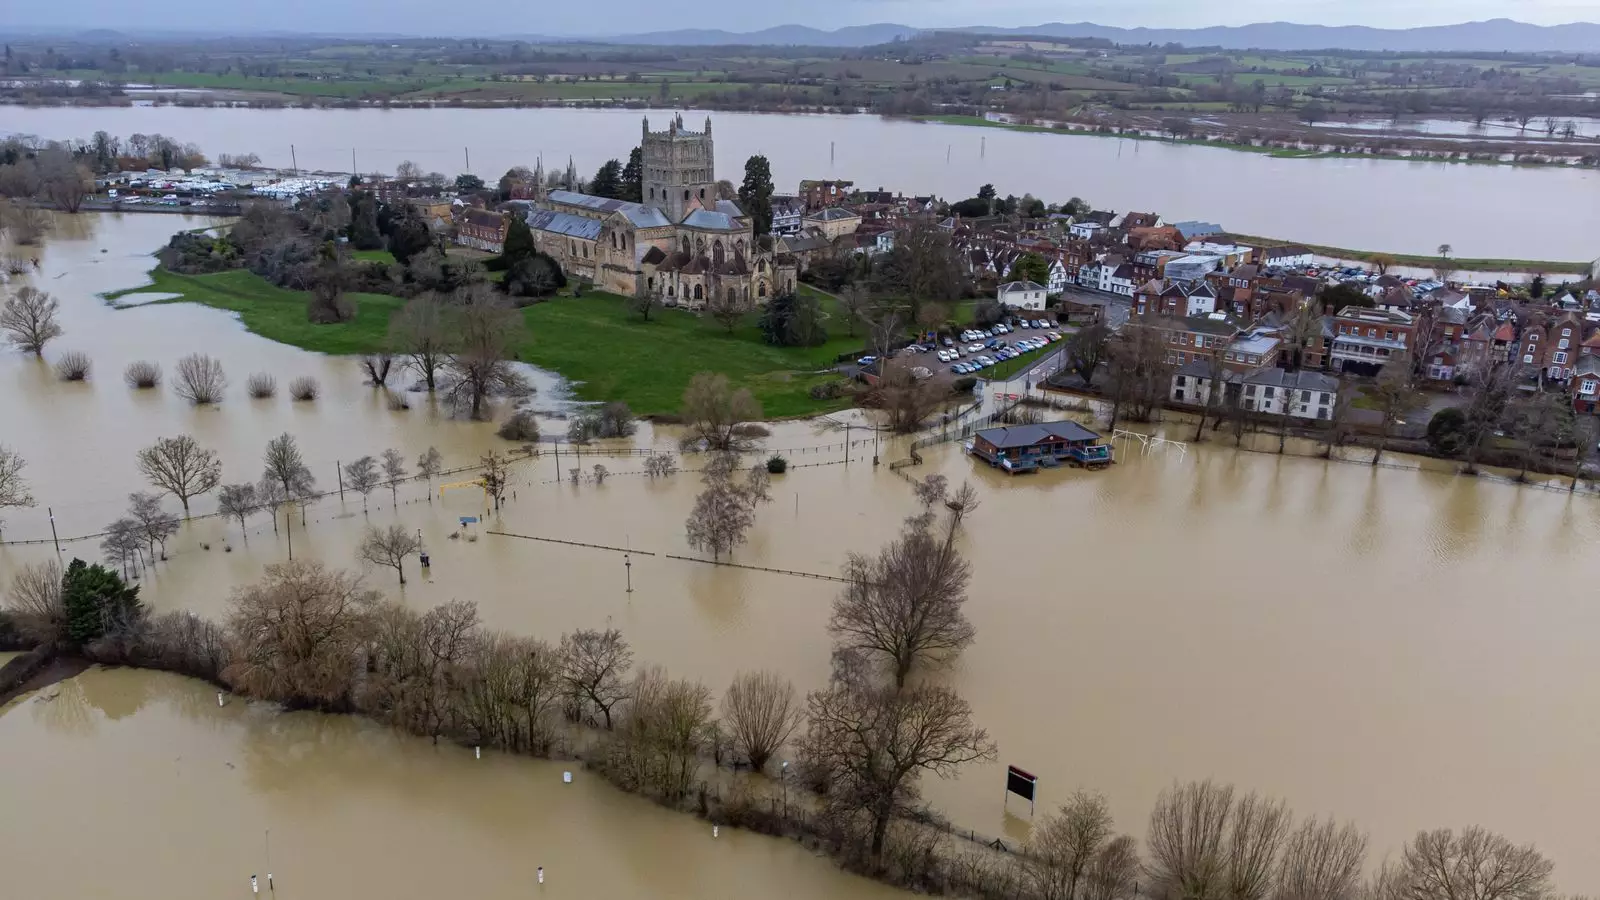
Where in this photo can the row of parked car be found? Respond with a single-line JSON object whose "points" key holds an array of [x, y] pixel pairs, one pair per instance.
{"points": [[1000, 350]]}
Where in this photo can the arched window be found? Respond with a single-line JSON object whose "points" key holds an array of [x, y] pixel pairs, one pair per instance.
{"points": [[730, 295], [761, 289], [670, 291], [702, 193], [649, 284], [652, 193], [699, 294], [685, 195]]}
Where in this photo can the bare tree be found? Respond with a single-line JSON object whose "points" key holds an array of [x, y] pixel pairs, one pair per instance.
{"points": [[238, 501], [509, 690], [496, 475], [1536, 420], [660, 465], [1256, 830], [963, 501], [727, 309], [285, 470], [761, 712], [486, 333], [1114, 872], [645, 303], [421, 335], [181, 467], [722, 514], [304, 389], [13, 487], [429, 464], [389, 547], [714, 413], [854, 300], [658, 745], [123, 546], [297, 633], [593, 666], [1086, 350], [1585, 434], [29, 319], [931, 489], [394, 472], [261, 385], [1187, 840], [156, 525], [1063, 847], [62, 181], [1488, 400], [199, 379], [361, 476], [1475, 863], [73, 365], [142, 375], [377, 366], [905, 605], [906, 399], [1339, 419], [1217, 388], [600, 473], [1140, 374], [869, 744], [1321, 861], [34, 600], [1396, 396]]}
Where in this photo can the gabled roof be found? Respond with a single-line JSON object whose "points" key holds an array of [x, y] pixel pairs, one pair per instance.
{"points": [[1013, 436], [484, 218], [730, 209], [1016, 286], [654, 257], [1506, 332], [565, 223]]}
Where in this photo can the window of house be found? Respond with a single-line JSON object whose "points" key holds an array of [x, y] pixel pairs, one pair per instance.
{"points": [[1565, 332], [1372, 332], [1561, 359], [1388, 334], [1588, 385], [1268, 392], [1533, 337], [1305, 396], [1563, 344], [1528, 359]]}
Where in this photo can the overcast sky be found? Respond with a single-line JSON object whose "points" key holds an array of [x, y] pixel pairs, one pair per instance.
{"points": [[490, 17]]}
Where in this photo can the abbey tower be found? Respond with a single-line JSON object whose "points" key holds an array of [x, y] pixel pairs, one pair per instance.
{"points": [[678, 167]]}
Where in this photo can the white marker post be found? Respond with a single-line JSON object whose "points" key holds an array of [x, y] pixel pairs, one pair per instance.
{"points": [[477, 753], [254, 888], [219, 698], [714, 830], [541, 874]]}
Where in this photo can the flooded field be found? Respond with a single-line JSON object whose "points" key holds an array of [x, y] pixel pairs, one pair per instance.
{"points": [[1400, 648]]}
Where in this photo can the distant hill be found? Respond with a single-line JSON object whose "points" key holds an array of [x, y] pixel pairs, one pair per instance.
{"points": [[1494, 35], [782, 35]]}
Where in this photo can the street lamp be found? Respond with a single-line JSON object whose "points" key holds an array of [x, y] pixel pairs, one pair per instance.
{"points": [[783, 772]]}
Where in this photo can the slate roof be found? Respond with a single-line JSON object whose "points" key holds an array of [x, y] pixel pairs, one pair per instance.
{"points": [[730, 209], [710, 221], [1014, 286], [1012, 436], [833, 214], [640, 215], [565, 223]]}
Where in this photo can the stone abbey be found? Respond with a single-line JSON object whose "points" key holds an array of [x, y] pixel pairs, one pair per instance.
{"points": [[682, 245]]}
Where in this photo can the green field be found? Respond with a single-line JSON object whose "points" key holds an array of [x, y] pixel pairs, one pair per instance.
{"points": [[608, 351]]}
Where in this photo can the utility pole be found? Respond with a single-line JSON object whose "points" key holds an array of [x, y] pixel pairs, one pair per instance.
{"points": [[53, 538], [353, 169], [467, 154], [294, 164], [338, 470]]}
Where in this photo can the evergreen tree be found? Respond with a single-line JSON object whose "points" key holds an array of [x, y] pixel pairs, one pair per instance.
{"points": [[755, 195], [608, 181], [1031, 267], [519, 243], [97, 601], [363, 232], [633, 177], [468, 182], [793, 320]]}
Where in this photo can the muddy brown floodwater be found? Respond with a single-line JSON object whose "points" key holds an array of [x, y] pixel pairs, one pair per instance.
{"points": [[1404, 649]]}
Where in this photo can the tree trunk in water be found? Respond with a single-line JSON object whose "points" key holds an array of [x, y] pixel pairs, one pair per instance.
{"points": [[288, 528], [1383, 439], [185, 502], [880, 832], [902, 668]]}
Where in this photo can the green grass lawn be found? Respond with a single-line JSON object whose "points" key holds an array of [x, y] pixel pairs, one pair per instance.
{"points": [[382, 256], [594, 340]]}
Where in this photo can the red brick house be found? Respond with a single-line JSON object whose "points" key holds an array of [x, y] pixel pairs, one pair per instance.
{"points": [[483, 230]]}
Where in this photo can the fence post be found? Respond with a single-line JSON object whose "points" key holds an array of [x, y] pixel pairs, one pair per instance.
{"points": [[338, 469]]}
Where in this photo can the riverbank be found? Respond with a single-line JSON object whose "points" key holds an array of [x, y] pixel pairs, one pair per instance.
{"points": [[608, 352], [1458, 264], [1418, 153]]}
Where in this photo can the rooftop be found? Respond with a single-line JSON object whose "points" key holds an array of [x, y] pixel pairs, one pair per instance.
{"points": [[1011, 287], [1028, 435], [565, 223], [640, 215]]}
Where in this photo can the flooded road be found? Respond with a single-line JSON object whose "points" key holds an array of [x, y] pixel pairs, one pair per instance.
{"points": [[180, 796], [1404, 649], [1359, 204]]}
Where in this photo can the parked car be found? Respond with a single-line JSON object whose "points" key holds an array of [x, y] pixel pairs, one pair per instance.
{"points": [[866, 361], [1054, 335], [949, 343], [1002, 328]]}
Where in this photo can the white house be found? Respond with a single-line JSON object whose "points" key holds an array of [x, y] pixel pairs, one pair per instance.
{"points": [[1022, 295], [1089, 274], [1286, 257], [1058, 276], [1116, 279], [1310, 395], [1085, 230]]}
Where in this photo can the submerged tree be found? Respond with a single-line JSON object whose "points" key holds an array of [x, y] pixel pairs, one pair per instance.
{"points": [[181, 467], [29, 319]]}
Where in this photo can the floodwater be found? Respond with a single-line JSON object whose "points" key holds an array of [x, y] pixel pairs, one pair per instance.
{"points": [[1401, 648], [1397, 206], [126, 783]]}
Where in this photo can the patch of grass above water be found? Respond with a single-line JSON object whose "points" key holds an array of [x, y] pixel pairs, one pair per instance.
{"points": [[594, 340]]}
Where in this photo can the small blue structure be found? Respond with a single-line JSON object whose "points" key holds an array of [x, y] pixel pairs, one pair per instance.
{"points": [[1027, 448]]}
